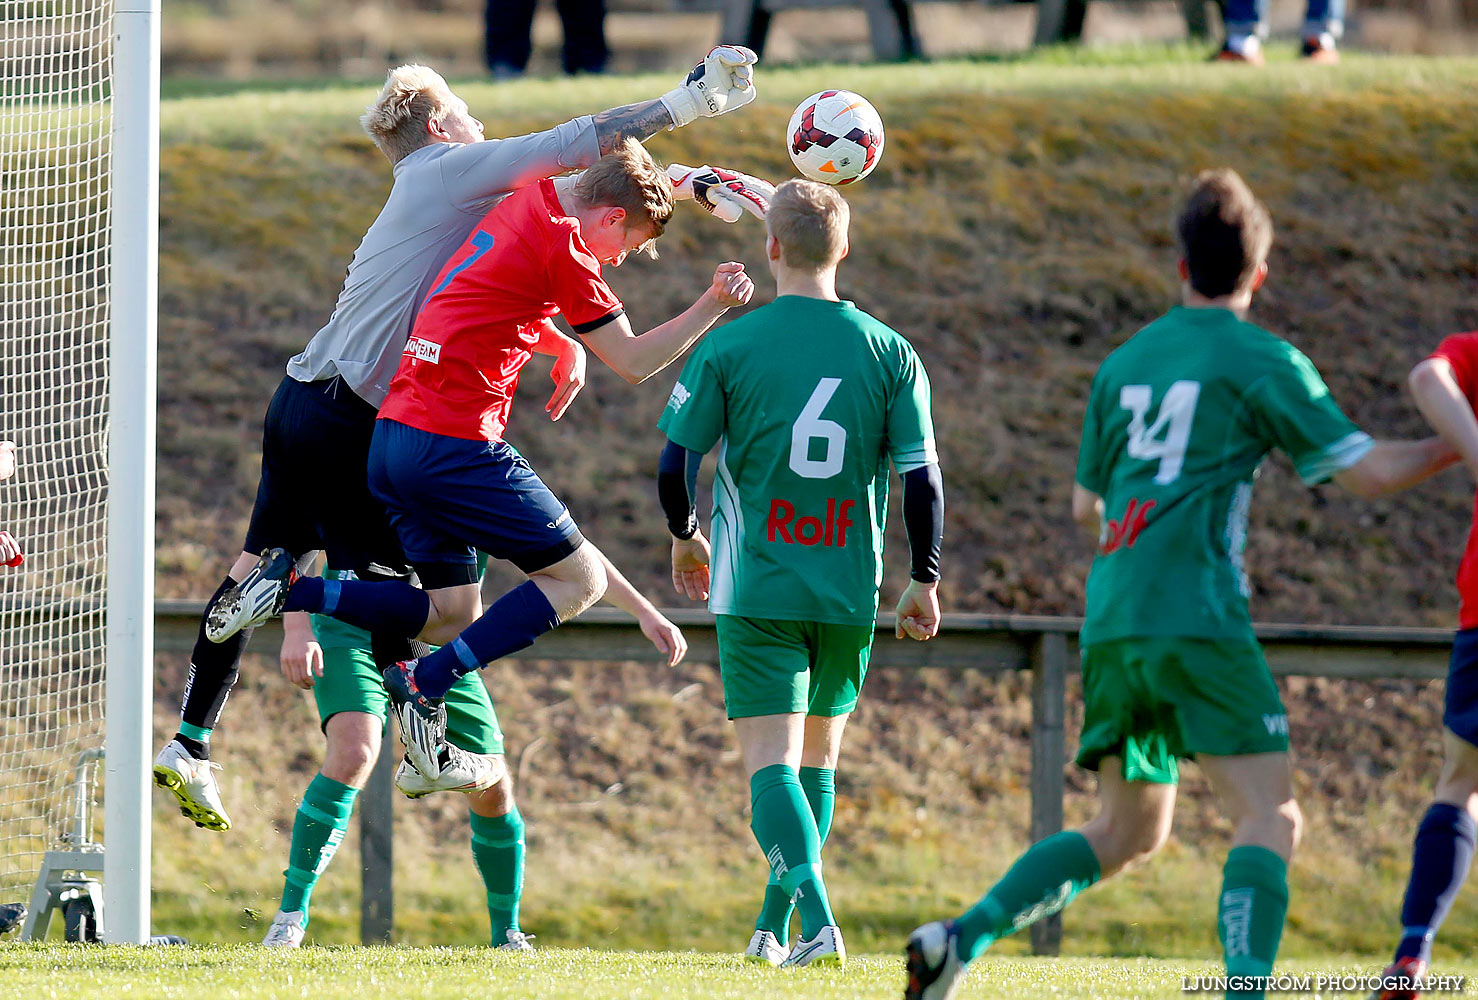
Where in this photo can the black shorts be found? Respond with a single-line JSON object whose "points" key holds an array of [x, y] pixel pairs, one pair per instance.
{"points": [[313, 493]]}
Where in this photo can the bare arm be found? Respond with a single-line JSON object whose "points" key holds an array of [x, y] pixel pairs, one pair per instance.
{"points": [[1392, 466], [1442, 401], [1088, 510], [667, 637], [632, 121], [638, 358], [552, 340], [621, 594]]}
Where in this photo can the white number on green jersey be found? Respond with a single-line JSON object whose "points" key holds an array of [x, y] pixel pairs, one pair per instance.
{"points": [[1167, 438], [808, 427]]}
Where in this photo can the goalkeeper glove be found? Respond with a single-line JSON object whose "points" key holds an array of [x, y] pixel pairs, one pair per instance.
{"points": [[723, 81], [727, 194]]}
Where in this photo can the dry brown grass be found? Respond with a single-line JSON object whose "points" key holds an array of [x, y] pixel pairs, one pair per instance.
{"points": [[1015, 239]]}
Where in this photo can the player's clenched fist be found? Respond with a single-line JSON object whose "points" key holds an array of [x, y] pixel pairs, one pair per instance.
{"points": [[918, 612], [731, 286], [723, 81], [690, 566], [7, 459], [726, 194]]}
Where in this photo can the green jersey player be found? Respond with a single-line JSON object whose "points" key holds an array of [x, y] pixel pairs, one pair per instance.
{"points": [[1178, 421], [336, 662], [808, 398]]}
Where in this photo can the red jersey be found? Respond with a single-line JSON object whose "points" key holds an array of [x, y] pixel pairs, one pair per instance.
{"points": [[1461, 351], [524, 263]]}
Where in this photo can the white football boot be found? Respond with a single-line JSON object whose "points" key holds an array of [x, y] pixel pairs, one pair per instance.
{"points": [[765, 947], [460, 772], [826, 948], [287, 930], [933, 959], [259, 596], [517, 941], [193, 784]]}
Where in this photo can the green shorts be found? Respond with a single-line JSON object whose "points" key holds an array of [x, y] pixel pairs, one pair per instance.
{"points": [[773, 667], [350, 683], [1151, 700]]}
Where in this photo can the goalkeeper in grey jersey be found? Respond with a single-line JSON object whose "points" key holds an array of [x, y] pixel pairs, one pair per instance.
{"points": [[312, 494]]}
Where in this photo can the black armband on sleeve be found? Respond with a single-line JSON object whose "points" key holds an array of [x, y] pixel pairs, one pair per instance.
{"points": [[677, 488], [923, 520]]}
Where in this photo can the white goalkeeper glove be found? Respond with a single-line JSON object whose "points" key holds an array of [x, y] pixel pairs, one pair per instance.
{"points": [[723, 81], [727, 194]]}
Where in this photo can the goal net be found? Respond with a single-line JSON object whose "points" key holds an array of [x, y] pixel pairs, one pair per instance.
{"points": [[55, 119]]}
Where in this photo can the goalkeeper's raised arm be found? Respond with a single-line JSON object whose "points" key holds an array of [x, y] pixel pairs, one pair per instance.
{"points": [[721, 82]]}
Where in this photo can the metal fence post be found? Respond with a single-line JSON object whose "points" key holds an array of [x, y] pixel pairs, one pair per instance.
{"points": [[376, 848], [1049, 696]]}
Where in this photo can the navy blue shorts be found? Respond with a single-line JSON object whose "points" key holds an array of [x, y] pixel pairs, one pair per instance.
{"points": [[1460, 709], [313, 493], [449, 497]]}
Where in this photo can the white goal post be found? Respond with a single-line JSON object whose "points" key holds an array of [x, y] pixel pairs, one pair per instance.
{"points": [[132, 403], [79, 166]]}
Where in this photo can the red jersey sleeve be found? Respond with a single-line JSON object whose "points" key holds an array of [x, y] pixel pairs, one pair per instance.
{"points": [[1461, 351], [576, 285]]}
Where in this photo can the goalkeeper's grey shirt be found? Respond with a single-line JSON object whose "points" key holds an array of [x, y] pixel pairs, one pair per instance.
{"points": [[441, 192]]}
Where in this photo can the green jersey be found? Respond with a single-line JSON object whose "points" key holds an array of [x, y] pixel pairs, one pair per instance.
{"points": [[1178, 421], [810, 400]]}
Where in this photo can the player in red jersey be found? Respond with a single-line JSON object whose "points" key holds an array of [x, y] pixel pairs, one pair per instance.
{"points": [[1446, 389], [438, 459]]}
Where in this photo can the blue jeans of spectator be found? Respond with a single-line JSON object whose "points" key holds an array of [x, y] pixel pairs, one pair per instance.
{"points": [[1250, 17]]}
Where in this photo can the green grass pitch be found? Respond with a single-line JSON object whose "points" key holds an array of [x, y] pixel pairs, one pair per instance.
{"points": [[251, 973]]}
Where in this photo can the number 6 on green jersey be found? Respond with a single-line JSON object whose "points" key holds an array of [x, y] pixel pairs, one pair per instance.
{"points": [[801, 491]]}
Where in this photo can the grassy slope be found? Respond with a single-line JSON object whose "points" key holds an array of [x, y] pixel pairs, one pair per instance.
{"points": [[1016, 231], [444, 974]]}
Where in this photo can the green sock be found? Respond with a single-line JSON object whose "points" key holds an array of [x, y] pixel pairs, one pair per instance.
{"points": [[1250, 912], [318, 829], [498, 851], [195, 732], [786, 832], [1043, 881], [819, 786]]}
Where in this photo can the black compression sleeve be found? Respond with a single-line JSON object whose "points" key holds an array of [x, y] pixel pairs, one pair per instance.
{"points": [[923, 520], [677, 488]]}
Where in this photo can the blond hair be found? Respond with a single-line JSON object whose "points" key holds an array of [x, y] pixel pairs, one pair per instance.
{"points": [[810, 222], [627, 177], [1224, 232], [411, 97]]}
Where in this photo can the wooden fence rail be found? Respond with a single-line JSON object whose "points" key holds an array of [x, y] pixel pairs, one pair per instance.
{"points": [[1045, 646]]}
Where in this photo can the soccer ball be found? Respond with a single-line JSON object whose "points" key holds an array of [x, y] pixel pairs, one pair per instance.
{"points": [[835, 137]]}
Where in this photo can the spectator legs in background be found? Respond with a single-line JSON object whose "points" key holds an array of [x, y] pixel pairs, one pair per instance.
{"points": [[1247, 26], [585, 35], [1324, 22], [508, 37], [1246, 23]]}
